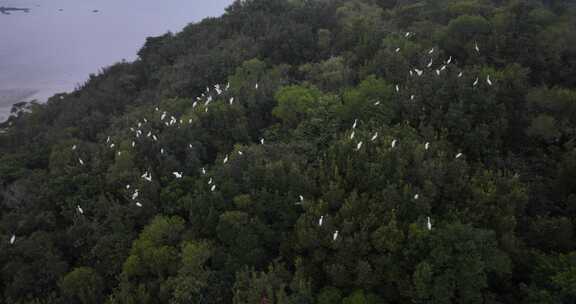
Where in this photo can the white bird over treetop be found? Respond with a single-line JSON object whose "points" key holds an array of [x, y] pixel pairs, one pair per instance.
{"points": [[12, 239], [147, 176], [416, 196], [138, 204], [177, 174], [358, 146], [225, 159], [476, 47], [488, 81], [374, 136], [426, 146], [335, 235], [320, 221], [81, 161], [428, 223], [393, 144], [355, 124], [352, 135], [213, 188], [80, 209], [475, 82], [458, 155]]}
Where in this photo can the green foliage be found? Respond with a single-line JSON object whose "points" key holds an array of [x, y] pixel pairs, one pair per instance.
{"points": [[354, 151]]}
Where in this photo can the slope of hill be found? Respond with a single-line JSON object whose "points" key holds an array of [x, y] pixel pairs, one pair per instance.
{"points": [[358, 151]]}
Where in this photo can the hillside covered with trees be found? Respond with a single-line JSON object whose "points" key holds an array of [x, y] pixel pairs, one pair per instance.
{"points": [[307, 151]]}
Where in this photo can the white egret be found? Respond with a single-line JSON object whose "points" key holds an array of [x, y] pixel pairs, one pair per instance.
{"points": [[412, 97], [73, 147], [138, 204], [355, 124], [256, 86], [475, 82], [162, 151], [147, 176], [240, 153], [416, 196], [320, 221], [163, 116], [12, 239], [419, 72], [108, 139], [458, 155], [81, 161], [213, 188], [488, 81], [231, 100], [261, 141], [411, 73], [177, 174], [352, 135], [476, 47], [127, 187], [438, 72], [80, 209], [377, 103], [449, 60], [225, 159], [407, 34], [301, 198], [443, 68], [460, 74], [133, 144], [397, 88], [393, 144], [203, 171], [210, 181], [428, 223], [335, 235], [374, 136], [358, 146], [397, 50], [427, 146], [431, 51], [430, 63]]}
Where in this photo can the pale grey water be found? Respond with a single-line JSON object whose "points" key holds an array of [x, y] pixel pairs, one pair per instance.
{"points": [[53, 51]]}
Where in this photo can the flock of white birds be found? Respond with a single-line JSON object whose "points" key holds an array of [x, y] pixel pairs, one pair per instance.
{"points": [[209, 96]]}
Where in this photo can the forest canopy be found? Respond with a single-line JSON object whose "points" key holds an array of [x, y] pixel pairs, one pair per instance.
{"points": [[307, 151]]}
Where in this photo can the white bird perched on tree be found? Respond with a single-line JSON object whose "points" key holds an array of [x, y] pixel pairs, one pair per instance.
{"points": [[430, 63], [320, 220], [210, 181], [225, 159], [261, 141], [449, 60], [127, 187], [411, 73], [112, 146], [427, 146], [397, 50], [475, 82], [393, 144], [443, 68], [377, 103], [407, 34], [156, 109], [108, 139], [416, 196], [397, 88], [154, 138], [460, 74], [358, 146], [458, 155], [301, 198], [119, 153], [190, 121], [12, 239], [161, 150], [488, 81], [438, 72], [133, 144], [190, 146], [231, 100], [213, 188], [138, 204], [352, 135], [203, 171], [194, 104], [79, 209], [177, 174], [428, 223], [163, 116], [256, 86], [431, 51], [374, 136], [335, 235], [476, 47], [81, 161], [73, 147], [412, 97], [419, 72], [240, 153], [147, 176], [355, 124]]}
